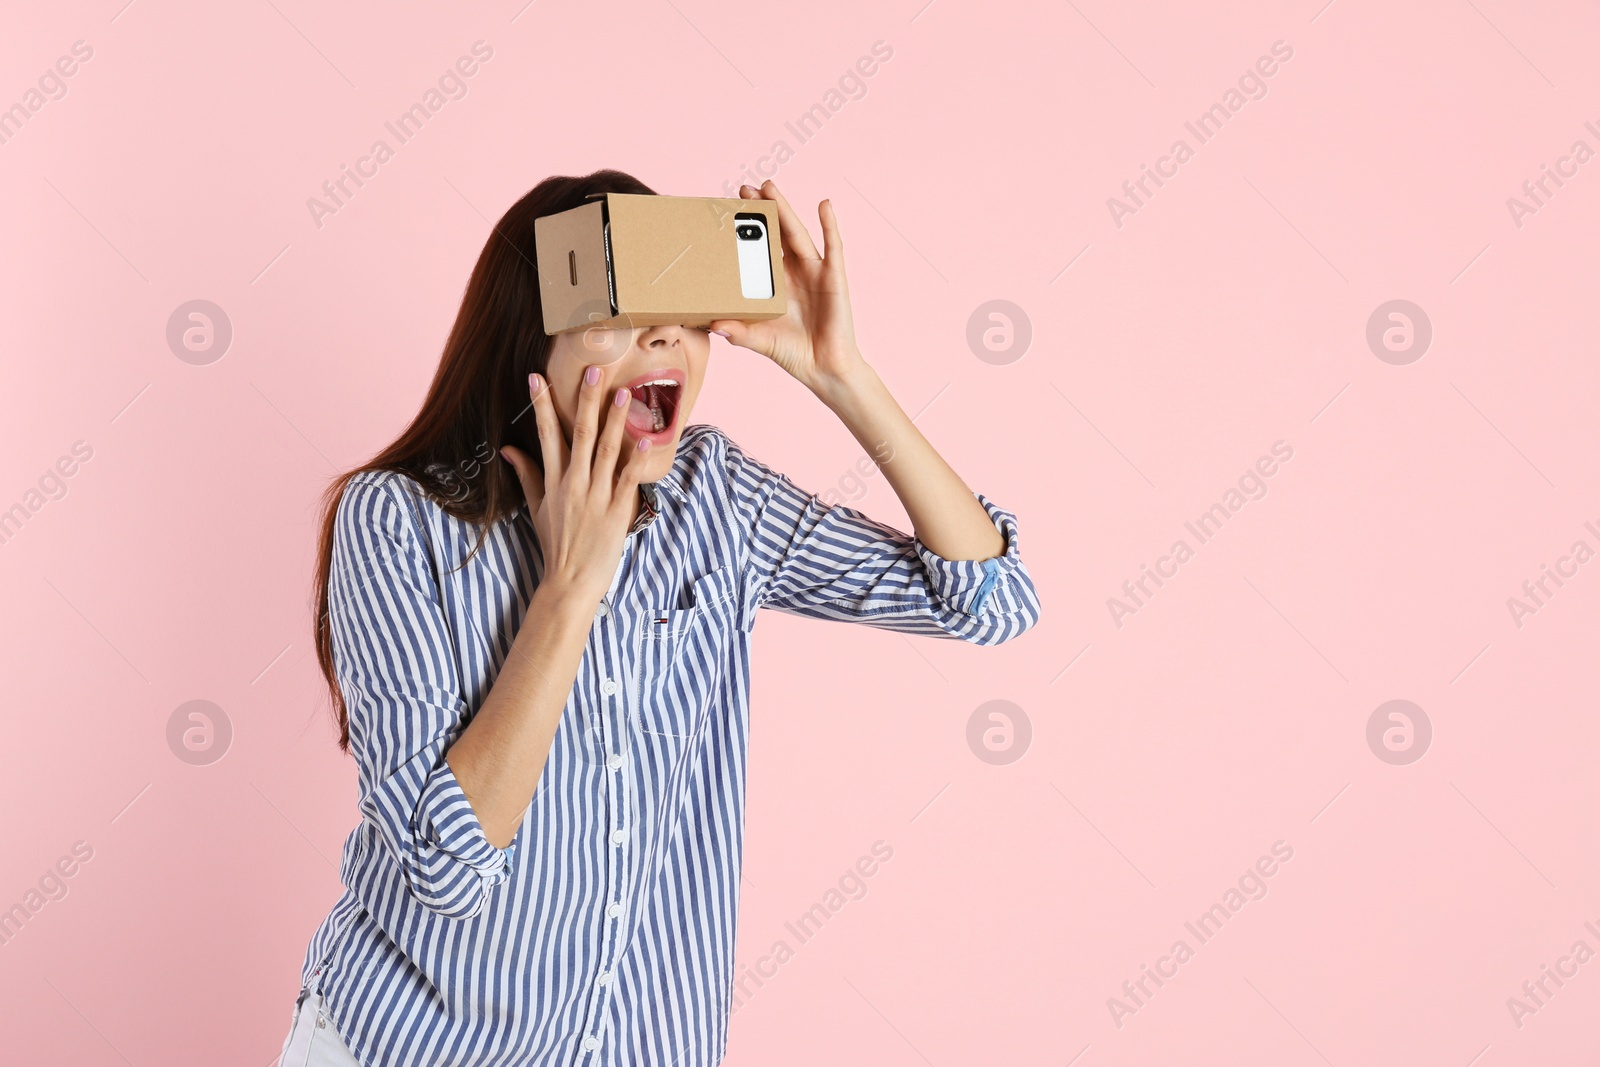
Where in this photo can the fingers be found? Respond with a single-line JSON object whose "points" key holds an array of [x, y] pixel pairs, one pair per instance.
{"points": [[610, 444], [528, 474], [628, 477], [585, 428], [832, 243], [552, 444], [756, 336], [796, 238]]}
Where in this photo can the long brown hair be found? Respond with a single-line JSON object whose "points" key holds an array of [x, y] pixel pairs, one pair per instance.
{"points": [[479, 397]]}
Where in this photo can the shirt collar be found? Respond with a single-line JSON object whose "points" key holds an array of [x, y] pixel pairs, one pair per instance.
{"points": [[649, 508]]}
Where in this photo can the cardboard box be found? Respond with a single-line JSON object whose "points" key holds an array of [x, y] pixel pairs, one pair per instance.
{"points": [[628, 259]]}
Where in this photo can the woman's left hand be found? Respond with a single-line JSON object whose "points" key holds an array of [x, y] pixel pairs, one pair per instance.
{"points": [[815, 339]]}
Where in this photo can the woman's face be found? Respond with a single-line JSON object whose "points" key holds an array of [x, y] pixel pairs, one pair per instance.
{"points": [[662, 366]]}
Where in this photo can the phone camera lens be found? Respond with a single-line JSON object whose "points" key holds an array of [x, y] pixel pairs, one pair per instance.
{"points": [[749, 233]]}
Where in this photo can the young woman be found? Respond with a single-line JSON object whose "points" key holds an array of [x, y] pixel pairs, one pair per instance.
{"points": [[541, 665]]}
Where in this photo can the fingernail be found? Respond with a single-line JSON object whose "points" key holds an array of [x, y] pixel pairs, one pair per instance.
{"points": [[505, 457], [621, 398], [644, 444], [720, 333], [535, 383], [592, 375]]}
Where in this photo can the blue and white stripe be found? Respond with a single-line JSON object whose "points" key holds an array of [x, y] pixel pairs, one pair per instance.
{"points": [[604, 935]]}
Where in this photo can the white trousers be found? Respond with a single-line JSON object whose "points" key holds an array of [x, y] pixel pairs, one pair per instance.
{"points": [[312, 1040]]}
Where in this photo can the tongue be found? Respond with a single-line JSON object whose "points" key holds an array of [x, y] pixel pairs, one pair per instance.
{"points": [[639, 415]]}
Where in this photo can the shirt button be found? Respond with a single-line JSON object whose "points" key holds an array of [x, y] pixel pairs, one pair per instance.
{"points": [[608, 686], [618, 836], [603, 977], [591, 1043], [614, 910], [614, 762], [601, 611]]}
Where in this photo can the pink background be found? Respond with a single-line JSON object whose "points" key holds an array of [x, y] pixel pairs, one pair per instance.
{"points": [[1227, 314]]}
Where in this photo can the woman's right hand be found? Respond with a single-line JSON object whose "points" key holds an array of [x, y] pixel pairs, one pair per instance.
{"points": [[582, 504]]}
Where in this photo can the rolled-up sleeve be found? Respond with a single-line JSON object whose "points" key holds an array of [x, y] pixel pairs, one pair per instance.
{"points": [[396, 669], [833, 562]]}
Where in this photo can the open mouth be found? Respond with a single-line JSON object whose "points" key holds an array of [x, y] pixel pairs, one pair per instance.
{"points": [[654, 407]]}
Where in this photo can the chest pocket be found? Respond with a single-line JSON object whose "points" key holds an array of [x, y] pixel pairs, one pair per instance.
{"points": [[680, 656]]}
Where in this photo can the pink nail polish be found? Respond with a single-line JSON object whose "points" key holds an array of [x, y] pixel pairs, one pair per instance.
{"points": [[720, 333], [592, 375], [621, 397]]}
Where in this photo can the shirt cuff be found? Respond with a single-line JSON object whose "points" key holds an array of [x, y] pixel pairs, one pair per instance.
{"points": [[444, 825], [978, 587]]}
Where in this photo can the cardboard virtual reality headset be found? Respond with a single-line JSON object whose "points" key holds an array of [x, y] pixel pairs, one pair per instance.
{"points": [[629, 259]]}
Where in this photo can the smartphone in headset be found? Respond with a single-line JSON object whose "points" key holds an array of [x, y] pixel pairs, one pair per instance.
{"points": [[755, 258]]}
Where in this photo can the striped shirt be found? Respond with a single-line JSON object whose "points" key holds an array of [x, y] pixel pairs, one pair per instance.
{"points": [[604, 933]]}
